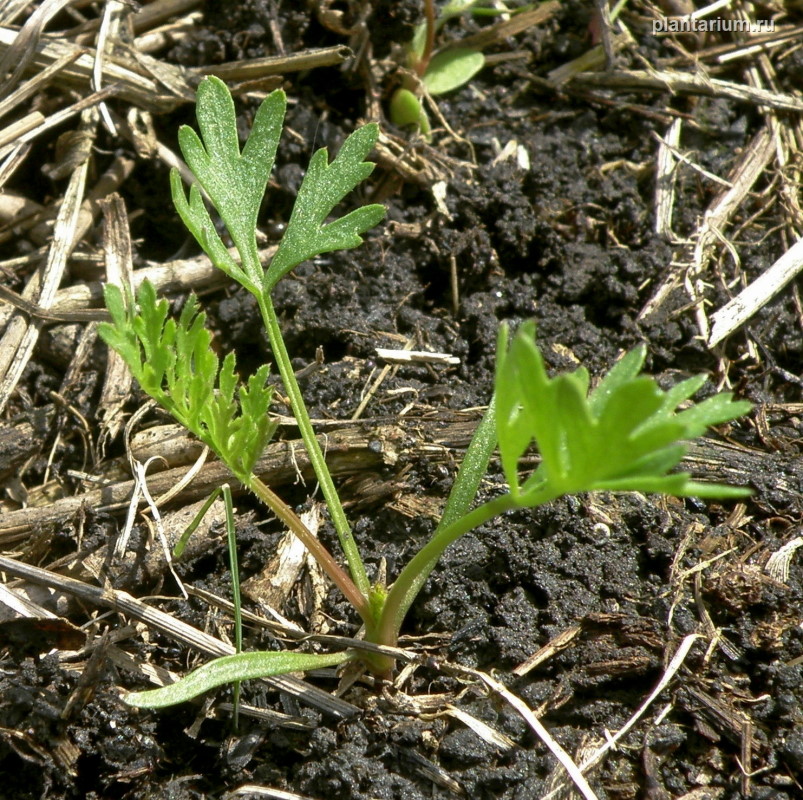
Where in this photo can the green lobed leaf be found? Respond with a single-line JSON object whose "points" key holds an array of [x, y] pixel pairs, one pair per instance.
{"points": [[716, 409], [682, 391], [323, 187], [232, 669], [234, 182], [451, 69], [625, 436], [713, 491], [196, 219], [627, 368]]}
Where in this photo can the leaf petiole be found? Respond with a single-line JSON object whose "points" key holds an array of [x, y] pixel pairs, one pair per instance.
{"points": [[299, 408], [315, 547]]}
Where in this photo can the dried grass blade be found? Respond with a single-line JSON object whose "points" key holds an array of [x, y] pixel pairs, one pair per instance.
{"points": [[256, 68], [665, 179], [255, 790], [12, 161], [272, 585], [685, 83], [133, 87], [22, 50], [54, 120], [543, 734], [493, 34], [117, 383], [590, 60], [754, 296], [669, 674], [748, 169], [488, 734], [17, 129], [143, 19], [19, 339]]}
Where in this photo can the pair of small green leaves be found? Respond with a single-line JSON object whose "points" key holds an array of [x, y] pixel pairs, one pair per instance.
{"points": [[624, 436], [445, 71], [235, 183], [175, 364], [451, 68]]}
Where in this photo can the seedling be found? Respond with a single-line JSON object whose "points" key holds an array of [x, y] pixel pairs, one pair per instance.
{"points": [[436, 72], [625, 435]]}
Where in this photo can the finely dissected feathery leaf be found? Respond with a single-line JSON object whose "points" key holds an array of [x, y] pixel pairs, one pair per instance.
{"points": [[174, 364], [626, 435]]}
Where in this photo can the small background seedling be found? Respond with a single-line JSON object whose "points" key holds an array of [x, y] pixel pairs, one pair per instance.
{"points": [[436, 72]]}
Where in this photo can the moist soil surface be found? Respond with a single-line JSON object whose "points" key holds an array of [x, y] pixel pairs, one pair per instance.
{"points": [[538, 205]]}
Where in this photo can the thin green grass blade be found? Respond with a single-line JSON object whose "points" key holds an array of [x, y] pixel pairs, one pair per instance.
{"points": [[234, 567], [181, 544]]}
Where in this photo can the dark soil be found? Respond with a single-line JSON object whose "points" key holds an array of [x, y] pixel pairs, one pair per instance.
{"points": [[570, 242]]}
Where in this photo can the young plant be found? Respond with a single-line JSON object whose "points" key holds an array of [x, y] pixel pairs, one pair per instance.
{"points": [[436, 72], [625, 435]]}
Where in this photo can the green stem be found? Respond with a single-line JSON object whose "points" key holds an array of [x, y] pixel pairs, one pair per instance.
{"points": [[315, 547], [414, 575], [464, 491], [429, 44], [356, 566], [234, 565]]}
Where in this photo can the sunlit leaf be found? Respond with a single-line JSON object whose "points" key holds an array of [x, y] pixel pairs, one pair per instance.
{"points": [[627, 435], [324, 186], [451, 69]]}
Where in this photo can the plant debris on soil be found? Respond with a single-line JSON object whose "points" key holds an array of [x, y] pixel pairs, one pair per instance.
{"points": [[617, 184]]}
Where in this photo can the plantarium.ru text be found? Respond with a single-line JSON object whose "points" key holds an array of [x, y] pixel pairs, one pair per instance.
{"points": [[625, 435]]}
